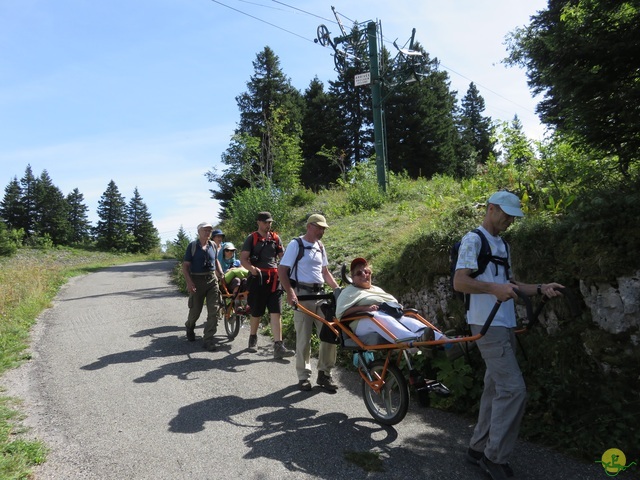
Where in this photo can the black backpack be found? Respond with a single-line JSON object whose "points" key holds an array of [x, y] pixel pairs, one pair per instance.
{"points": [[484, 258], [301, 249]]}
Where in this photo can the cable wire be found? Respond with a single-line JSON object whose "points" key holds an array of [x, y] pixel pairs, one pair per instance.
{"points": [[263, 21]]}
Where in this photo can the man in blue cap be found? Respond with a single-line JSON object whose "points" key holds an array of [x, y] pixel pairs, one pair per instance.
{"points": [[504, 396]]}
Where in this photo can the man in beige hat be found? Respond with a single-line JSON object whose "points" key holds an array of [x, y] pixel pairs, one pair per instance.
{"points": [[306, 275], [202, 272]]}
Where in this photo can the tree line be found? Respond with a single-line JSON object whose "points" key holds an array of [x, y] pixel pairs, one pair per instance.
{"points": [[309, 140], [583, 57], [35, 212]]}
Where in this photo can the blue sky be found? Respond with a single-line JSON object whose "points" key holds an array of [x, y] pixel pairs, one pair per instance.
{"points": [[143, 92]]}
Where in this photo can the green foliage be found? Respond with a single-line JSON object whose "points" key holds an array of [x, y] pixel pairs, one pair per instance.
{"points": [[8, 241], [17, 455], [247, 203], [464, 381], [266, 145], [560, 375], [143, 236], [111, 230], [301, 197], [363, 191], [582, 57]]}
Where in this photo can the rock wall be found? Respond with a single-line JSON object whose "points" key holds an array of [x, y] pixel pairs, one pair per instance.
{"points": [[615, 308]]}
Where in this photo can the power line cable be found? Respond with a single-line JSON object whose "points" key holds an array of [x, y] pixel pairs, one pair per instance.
{"points": [[262, 5], [304, 11], [263, 21], [352, 21]]}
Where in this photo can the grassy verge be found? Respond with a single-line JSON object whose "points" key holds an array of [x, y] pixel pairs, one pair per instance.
{"points": [[30, 280]]}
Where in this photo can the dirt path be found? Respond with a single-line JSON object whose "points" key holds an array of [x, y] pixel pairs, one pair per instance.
{"points": [[117, 392]]}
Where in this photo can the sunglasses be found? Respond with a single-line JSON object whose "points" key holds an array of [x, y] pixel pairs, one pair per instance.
{"points": [[362, 273]]}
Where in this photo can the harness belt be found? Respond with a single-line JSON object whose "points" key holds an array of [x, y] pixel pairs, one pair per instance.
{"points": [[310, 287], [270, 276]]}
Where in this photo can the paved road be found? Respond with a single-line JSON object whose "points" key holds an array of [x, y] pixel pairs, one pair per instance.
{"points": [[117, 392]]}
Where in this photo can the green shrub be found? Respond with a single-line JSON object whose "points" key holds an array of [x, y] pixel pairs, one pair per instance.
{"points": [[247, 203]]}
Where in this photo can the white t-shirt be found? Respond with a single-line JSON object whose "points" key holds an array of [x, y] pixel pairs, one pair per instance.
{"points": [[481, 304], [309, 268]]}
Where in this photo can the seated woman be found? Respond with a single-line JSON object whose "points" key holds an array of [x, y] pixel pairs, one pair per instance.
{"points": [[362, 296], [227, 256], [233, 279]]}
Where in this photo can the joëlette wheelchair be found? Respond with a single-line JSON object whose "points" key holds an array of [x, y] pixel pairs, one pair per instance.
{"points": [[385, 389], [235, 307]]}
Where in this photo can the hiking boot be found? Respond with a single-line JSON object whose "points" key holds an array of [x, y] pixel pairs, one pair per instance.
{"points": [[304, 385], [495, 470], [191, 334], [474, 456], [280, 351], [326, 381], [210, 346], [253, 343]]}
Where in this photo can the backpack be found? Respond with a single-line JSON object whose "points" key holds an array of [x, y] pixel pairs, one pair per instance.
{"points": [[301, 249], [484, 258], [194, 244], [271, 238]]}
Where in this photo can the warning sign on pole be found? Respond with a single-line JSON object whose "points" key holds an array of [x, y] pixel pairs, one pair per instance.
{"points": [[362, 79]]}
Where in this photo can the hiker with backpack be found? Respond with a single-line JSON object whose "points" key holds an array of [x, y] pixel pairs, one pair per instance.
{"points": [[483, 272], [260, 253], [202, 273], [304, 271]]}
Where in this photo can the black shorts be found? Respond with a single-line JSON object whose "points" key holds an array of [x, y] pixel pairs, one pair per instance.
{"points": [[261, 298]]}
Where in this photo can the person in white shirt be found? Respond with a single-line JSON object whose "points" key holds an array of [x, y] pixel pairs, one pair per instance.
{"points": [[310, 273], [504, 397]]}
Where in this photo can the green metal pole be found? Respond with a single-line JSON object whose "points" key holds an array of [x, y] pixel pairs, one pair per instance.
{"points": [[376, 94]]}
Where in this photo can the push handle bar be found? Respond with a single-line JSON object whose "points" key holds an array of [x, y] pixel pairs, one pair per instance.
{"points": [[494, 310]]}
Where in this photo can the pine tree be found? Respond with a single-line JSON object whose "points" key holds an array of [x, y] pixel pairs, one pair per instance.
{"points": [[180, 244], [420, 125], [476, 129], [320, 127], [270, 115], [476, 134], [79, 224], [29, 203], [52, 211], [144, 236], [11, 207], [517, 147], [111, 230], [353, 104]]}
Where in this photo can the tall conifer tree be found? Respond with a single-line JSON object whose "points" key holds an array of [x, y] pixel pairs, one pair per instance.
{"points": [[111, 230], [144, 236], [269, 126], [52, 211], [11, 207], [78, 220]]}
